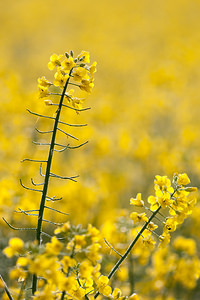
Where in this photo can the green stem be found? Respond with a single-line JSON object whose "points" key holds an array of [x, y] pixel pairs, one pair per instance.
{"points": [[120, 261], [47, 176], [6, 289], [63, 295]]}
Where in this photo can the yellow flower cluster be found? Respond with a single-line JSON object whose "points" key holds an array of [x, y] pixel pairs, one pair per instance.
{"points": [[71, 267], [174, 266], [147, 118], [176, 197], [104, 289], [15, 247], [74, 71]]}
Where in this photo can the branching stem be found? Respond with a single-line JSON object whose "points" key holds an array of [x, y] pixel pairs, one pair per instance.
{"points": [[120, 261], [47, 176]]}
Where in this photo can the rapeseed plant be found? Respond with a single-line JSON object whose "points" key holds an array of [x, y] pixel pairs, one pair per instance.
{"points": [[70, 265]]}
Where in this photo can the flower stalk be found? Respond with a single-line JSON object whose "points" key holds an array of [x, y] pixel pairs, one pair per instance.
{"points": [[121, 260], [84, 75], [166, 196], [47, 176]]}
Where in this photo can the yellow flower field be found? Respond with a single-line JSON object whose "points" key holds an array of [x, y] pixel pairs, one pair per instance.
{"points": [[128, 178]]}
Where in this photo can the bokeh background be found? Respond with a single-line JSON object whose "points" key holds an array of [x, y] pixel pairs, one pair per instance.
{"points": [[145, 106]]}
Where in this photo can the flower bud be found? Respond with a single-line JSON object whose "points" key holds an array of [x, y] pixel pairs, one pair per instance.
{"points": [[191, 189]]}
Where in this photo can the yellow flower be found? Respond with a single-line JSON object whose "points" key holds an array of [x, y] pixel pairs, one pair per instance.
{"points": [[68, 63], [164, 198], [43, 91], [54, 61], [162, 181], [54, 246], [16, 244], [15, 247], [45, 266], [135, 217], [77, 291], [154, 203], [67, 283], [149, 242], [60, 78], [86, 283], [86, 269], [85, 55], [187, 271], [18, 273], [46, 294], [80, 241], [67, 262], [93, 69], [183, 179], [44, 82], [164, 240], [95, 271], [86, 85], [103, 287], [22, 261], [79, 74], [152, 226], [77, 103], [69, 94], [116, 293], [137, 201], [94, 233], [63, 229], [179, 217], [133, 297], [93, 252], [185, 244], [169, 225]]}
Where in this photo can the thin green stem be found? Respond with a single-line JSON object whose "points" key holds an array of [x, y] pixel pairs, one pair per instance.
{"points": [[6, 289], [74, 84], [120, 261], [47, 176]]}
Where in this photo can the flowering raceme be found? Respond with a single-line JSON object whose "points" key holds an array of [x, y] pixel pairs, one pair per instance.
{"points": [[39, 260], [69, 67], [175, 197]]}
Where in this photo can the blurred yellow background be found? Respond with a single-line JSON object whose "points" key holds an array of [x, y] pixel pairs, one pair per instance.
{"points": [[144, 118]]}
